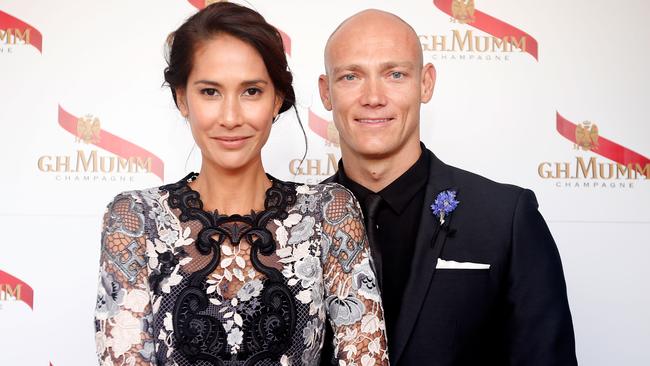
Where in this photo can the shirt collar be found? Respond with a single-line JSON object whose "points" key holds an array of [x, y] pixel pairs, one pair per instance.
{"points": [[398, 193], [359, 191]]}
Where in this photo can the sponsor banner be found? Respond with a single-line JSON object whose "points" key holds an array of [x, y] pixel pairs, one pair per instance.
{"points": [[320, 165], [586, 137], [314, 170], [14, 31], [130, 158], [590, 177], [504, 38], [12, 288], [622, 169]]}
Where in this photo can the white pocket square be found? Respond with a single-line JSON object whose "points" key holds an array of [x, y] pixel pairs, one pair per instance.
{"points": [[443, 264]]}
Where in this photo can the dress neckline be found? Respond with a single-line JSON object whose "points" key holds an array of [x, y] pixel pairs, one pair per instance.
{"points": [[192, 177], [188, 200]]}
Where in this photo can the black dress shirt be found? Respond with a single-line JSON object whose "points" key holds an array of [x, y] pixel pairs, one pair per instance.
{"points": [[397, 219]]}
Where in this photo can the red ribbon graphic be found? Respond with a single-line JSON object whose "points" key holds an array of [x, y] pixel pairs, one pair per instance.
{"points": [[114, 144], [318, 125], [26, 292], [606, 148], [286, 40], [8, 22], [493, 26], [321, 126], [199, 4]]}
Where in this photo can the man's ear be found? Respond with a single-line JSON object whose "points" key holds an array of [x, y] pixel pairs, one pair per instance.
{"points": [[428, 82], [181, 102], [323, 88]]}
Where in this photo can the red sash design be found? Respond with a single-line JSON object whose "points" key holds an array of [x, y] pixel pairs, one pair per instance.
{"points": [[26, 292], [9, 22], [318, 125], [606, 148], [199, 4], [321, 127], [114, 144], [493, 26]]}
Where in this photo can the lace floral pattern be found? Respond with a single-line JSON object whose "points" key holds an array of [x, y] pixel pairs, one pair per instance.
{"points": [[181, 286]]}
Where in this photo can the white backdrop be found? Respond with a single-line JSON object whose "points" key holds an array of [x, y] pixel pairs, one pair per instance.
{"points": [[494, 113]]}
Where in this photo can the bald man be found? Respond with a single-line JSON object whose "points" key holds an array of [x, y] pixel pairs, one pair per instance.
{"points": [[468, 270]]}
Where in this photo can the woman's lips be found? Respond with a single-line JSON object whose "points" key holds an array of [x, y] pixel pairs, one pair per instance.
{"points": [[231, 141]]}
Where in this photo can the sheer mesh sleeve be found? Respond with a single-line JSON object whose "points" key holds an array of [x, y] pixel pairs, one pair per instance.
{"points": [[123, 312], [352, 297]]}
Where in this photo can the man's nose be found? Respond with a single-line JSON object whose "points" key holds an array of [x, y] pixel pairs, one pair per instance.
{"points": [[373, 93], [231, 112]]}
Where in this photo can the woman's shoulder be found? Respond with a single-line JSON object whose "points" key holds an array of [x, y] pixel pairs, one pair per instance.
{"points": [[138, 196], [331, 188], [150, 195], [330, 199], [135, 206]]}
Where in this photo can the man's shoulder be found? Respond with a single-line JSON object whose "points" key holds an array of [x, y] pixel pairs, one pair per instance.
{"points": [[331, 179], [482, 185], [484, 195]]}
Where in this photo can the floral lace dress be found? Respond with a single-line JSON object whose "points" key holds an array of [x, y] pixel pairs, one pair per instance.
{"points": [[183, 286]]}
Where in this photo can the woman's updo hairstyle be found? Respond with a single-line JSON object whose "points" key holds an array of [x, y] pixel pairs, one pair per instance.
{"points": [[240, 22]]}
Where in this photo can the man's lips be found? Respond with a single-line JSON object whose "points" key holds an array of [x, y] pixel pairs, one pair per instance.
{"points": [[374, 120]]}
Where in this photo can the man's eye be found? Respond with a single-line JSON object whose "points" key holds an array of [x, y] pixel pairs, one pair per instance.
{"points": [[209, 92], [396, 75], [252, 91], [349, 77]]}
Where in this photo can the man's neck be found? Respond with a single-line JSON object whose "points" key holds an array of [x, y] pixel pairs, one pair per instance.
{"points": [[377, 173]]}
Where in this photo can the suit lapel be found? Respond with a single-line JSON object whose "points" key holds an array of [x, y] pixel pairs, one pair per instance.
{"points": [[428, 246]]}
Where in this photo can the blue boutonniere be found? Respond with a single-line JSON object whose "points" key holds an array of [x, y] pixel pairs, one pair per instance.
{"points": [[444, 204]]}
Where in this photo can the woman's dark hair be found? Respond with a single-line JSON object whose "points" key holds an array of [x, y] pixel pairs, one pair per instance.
{"points": [[244, 24], [240, 22]]}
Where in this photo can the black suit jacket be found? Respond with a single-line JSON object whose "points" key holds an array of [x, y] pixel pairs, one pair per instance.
{"points": [[514, 313]]}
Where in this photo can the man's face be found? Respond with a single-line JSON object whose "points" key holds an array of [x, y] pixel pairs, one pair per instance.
{"points": [[374, 85]]}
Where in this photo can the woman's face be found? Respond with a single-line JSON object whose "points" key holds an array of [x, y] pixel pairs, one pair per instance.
{"points": [[230, 102]]}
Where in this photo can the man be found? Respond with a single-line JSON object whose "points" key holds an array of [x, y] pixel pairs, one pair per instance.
{"points": [[479, 282]]}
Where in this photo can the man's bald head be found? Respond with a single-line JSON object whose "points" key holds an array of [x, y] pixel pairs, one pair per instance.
{"points": [[374, 86], [373, 23]]}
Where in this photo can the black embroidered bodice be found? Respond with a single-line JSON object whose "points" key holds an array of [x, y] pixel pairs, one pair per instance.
{"points": [[184, 286]]}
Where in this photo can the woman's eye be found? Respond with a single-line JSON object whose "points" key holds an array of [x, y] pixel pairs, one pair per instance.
{"points": [[209, 92], [252, 91], [396, 75]]}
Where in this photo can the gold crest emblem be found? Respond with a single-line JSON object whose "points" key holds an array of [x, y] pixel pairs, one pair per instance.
{"points": [[88, 129], [462, 11], [586, 136], [332, 134]]}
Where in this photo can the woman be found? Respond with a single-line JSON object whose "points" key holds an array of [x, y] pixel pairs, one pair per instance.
{"points": [[232, 266]]}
